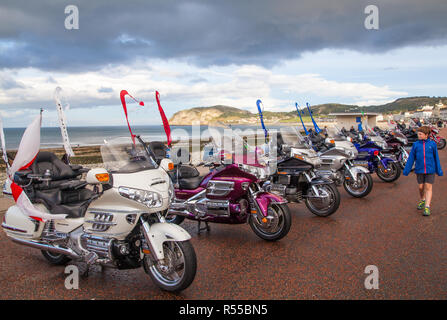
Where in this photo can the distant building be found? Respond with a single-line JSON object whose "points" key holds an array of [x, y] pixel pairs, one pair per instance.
{"points": [[348, 120], [424, 112]]}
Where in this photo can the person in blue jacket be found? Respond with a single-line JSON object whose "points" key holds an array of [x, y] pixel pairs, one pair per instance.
{"points": [[424, 154]]}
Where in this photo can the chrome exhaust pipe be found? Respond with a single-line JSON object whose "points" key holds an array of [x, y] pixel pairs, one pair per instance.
{"points": [[179, 212], [46, 247]]}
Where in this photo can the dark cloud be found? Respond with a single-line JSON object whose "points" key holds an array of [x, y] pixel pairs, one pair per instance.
{"points": [[264, 32], [7, 83], [198, 80]]}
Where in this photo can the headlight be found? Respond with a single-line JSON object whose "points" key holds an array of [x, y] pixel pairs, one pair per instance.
{"points": [[148, 198]]}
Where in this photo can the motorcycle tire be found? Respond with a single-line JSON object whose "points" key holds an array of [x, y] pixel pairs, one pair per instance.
{"points": [[394, 177], [332, 208], [56, 259], [175, 219], [441, 144], [190, 268], [283, 213], [364, 193]]}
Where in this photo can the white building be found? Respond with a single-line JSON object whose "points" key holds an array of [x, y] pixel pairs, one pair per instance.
{"points": [[352, 119]]}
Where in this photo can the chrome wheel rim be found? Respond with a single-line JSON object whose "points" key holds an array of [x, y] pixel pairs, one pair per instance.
{"points": [[391, 171], [357, 187], [274, 223], [171, 270], [323, 203]]}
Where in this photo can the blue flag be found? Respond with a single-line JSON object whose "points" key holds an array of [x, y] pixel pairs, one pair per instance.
{"points": [[318, 130], [258, 103], [299, 113]]}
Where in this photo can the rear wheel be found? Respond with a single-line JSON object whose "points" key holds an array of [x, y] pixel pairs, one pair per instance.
{"points": [[389, 174], [360, 188], [55, 258], [172, 218], [275, 226], [441, 144], [178, 268], [326, 202]]}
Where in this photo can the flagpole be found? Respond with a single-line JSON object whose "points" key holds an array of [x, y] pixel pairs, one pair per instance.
{"points": [[299, 114], [261, 117], [318, 130]]}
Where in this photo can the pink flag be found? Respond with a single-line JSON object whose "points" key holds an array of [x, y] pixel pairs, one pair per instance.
{"points": [[27, 152], [164, 119], [123, 94]]}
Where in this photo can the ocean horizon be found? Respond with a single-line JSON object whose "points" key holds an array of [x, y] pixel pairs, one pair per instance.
{"points": [[50, 137]]}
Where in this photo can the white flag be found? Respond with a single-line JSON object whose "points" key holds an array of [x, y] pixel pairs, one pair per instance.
{"points": [[62, 121], [3, 146], [27, 152]]}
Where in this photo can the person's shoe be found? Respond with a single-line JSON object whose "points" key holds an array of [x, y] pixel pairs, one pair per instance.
{"points": [[421, 205], [426, 211]]}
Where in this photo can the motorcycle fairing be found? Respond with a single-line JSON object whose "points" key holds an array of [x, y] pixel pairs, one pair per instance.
{"points": [[356, 170], [160, 233], [293, 165], [264, 199]]}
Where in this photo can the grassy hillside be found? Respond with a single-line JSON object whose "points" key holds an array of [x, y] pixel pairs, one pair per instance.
{"points": [[399, 105], [235, 115]]}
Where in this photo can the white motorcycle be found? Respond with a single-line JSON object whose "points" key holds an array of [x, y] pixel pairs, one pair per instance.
{"points": [[115, 218]]}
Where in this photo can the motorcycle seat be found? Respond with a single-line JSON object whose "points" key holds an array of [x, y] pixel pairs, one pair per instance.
{"points": [[72, 203], [159, 149], [65, 193], [190, 183], [188, 177]]}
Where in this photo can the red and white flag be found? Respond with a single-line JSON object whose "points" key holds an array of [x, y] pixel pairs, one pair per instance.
{"points": [[27, 152]]}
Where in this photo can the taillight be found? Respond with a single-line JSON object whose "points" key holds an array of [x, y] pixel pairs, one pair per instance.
{"points": [[376, 153]]}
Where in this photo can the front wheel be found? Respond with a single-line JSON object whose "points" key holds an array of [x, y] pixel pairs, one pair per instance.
{"points": [[441, 144], [390, 174], [275, 226], [326, 202], [178, 268], [360, 188]]}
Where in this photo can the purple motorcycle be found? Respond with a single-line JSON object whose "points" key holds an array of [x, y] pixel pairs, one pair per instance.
{"points": [[228, 194]]}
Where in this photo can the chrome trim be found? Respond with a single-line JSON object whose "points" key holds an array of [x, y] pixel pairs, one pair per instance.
{"points": [[13, 229], [47, 247], [100, 210], [102, 221], [219, 188], [157, 182], [99, 245]]}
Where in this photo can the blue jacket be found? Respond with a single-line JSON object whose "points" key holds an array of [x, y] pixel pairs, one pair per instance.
{"points": [[425, 154]]}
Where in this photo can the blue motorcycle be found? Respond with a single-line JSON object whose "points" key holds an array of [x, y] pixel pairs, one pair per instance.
{"points": [[372, 157]]}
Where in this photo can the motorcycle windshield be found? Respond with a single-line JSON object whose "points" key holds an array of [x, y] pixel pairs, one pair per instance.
{"points": [[239, 147], [120, 155], [293, 138], [334, 133], [400, 136]]}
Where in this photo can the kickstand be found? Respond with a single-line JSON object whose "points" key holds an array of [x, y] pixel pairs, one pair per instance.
{"points": [[207, 227], [84, 271]]}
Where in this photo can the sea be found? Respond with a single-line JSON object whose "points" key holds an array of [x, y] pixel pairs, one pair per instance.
{"points": [[50, 137]]}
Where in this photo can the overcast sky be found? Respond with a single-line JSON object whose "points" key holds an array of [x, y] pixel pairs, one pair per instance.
{"points": [[202, 53]]}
